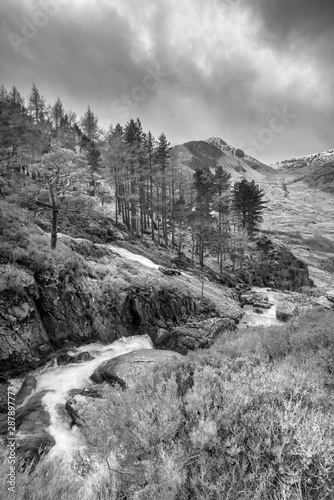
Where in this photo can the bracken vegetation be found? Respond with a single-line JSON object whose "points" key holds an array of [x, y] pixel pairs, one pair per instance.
{"points": [[250, 418]]}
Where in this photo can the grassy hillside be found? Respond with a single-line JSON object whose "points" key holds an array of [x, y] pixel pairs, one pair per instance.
{"points": [[322, 178], [250, 418]]}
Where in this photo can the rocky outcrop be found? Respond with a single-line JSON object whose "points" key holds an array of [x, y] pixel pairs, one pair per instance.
{"points": [[125, 370], [45, 316], [285, 310], [197, 334], [277, 268], [115, 375], [255, 299]]}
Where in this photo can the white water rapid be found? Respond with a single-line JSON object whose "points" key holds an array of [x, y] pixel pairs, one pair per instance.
{"points": [[58, 381], [268, 316]]}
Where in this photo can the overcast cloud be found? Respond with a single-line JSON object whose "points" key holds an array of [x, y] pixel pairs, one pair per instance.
{"points": [[190, 68]]}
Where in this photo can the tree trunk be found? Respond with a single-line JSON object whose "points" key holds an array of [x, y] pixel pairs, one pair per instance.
{"points": [[54, 230], [180, 241]]}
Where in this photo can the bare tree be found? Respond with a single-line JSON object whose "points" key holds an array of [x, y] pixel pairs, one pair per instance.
{"points": [[60, 173]]}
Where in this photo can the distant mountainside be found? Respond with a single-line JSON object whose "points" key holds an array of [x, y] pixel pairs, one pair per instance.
{"points": [[231, 151], [315, 170], [299, 192], [214, 152], [315, 160]]}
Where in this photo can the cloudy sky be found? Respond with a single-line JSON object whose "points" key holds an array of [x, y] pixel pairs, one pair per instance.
{"points": [[257, 73]]}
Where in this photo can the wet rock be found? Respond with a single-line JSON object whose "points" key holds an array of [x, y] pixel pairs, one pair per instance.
{"points": [[82, 357], [169, 272], [161, 336], [64, 359], [26, 388], [125, 369], [262, 305], [67, 359], [197, 334], [85, 406], [324, 302], [285, 311], [4, 396], [255, 299]]}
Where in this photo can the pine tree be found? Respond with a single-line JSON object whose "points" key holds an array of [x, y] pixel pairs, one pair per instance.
{"points": [[89, 125], [36, 104], [57, 113], [15, 98], [149, 145], [200, 217], [162, 156], [132, 137], [180, 217], [221, 202], [3, 94], [248, 205]]}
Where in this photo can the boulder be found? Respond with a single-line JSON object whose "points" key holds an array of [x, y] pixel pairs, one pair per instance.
{"points": [[125, 369], [161, 336], [198, 334], [324, 302], [285, 310], [330, 296], [82, 357]]}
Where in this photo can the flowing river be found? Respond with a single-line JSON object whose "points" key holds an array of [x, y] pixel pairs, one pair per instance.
{"points": [[54, 385], [267, 317]]}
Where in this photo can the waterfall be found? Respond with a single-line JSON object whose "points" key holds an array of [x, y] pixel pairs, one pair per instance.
{"points": [[267, 317], [54, 385]]}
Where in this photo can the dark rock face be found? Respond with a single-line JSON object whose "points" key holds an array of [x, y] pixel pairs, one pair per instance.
{"points": [[43, 318], [197, 334], [22, 330], [124, 370], [4, 396], [161, 336], [279, 268]]}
